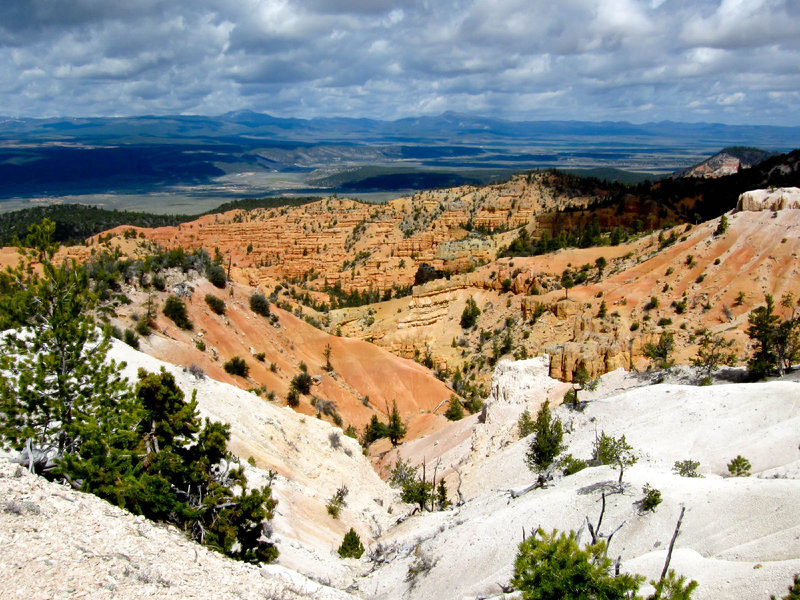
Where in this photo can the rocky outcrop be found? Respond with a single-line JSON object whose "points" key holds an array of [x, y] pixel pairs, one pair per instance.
{"points": [[772, 199], [597, 355], [516, 386]]}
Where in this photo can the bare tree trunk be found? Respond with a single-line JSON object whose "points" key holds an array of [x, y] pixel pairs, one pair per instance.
{"points": [[458, 489], [671, 546]]}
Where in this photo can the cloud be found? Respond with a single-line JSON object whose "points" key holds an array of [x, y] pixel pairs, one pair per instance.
{"points": [[728, 60]]}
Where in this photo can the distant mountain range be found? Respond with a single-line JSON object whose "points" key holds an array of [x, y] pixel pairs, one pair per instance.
{"points": [[190, 164], [447, 128]]}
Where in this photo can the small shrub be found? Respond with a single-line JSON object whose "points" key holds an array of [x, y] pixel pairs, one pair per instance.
{"points": [[722, 227], [686, 468], [130, 338], [337, 501], [217, 305], [200, 345], [293, 397], [474, 404], [570, 465], [260, 356], [739, 467], [197, 371], [216, 275], [175, 309], [664, 322], [653, 303], [301, 382], [351, 545], [571, 398], [142, 327], [259, 304], [652, 498], [236, 366], [634, 325]]}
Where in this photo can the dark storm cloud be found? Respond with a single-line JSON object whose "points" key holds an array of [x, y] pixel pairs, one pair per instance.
{"points": [[721, 60]]}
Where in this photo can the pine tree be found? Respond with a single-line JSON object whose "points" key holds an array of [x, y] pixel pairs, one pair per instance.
{"points": [[351, 545], [661, 352], [552, 566], [454, 412], [68, 406], [546, 443], [56, 383], [395, 429], [763, 326]]}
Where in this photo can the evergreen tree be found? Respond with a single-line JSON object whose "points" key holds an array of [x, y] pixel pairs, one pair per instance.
{"points": [[567, 281], [441, 496], [554, 567], [454, 412], [661, 352], [351, 545], [56, 384], [68, 407], [374, 430], [762, 330], [546, 443], [609, 450], [470, 314], [395, 429]]}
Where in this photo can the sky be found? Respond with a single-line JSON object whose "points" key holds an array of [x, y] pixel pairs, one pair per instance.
{"points": [[727, 61]]}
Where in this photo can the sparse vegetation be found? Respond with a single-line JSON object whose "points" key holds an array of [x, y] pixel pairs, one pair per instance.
{"points": [[236, 366], [217, 305], [337, 502], [259, 304], [175, 309], [739, 467], [661, 352], [651, 499], [686, 468], [609, 450]]}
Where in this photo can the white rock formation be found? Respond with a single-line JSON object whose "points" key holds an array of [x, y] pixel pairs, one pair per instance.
{"points": [[771, 199]]}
